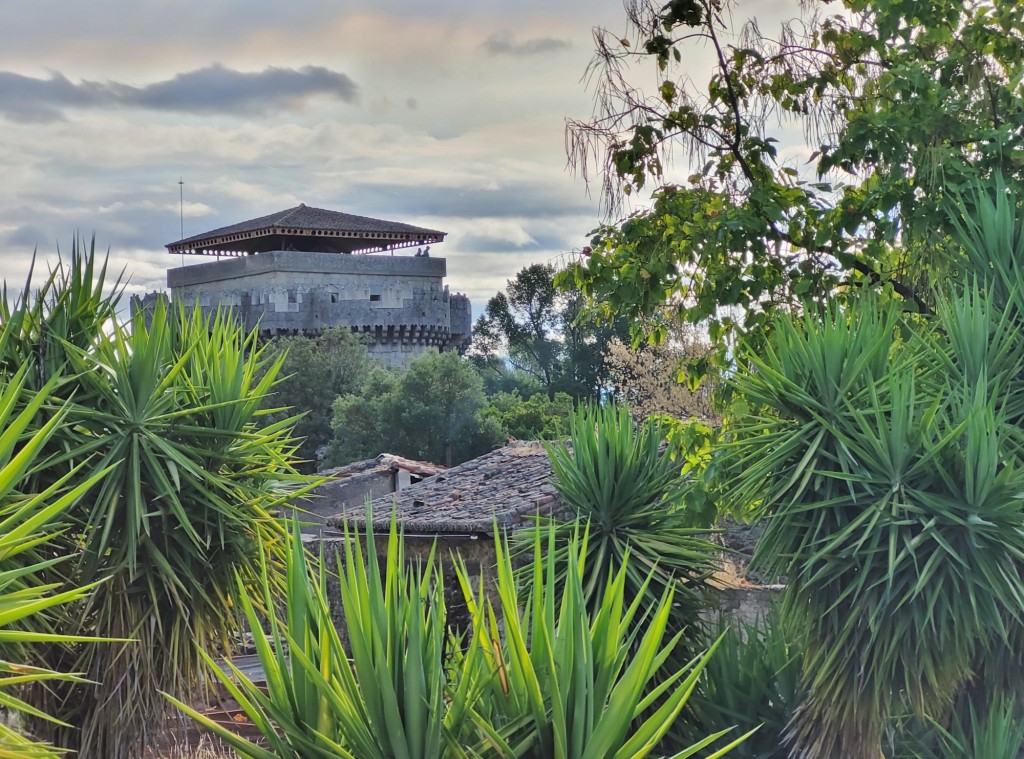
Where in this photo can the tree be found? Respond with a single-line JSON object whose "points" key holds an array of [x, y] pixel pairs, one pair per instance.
{"points": [[316, 370], [887, 450], [431, 411], [524, 321], [441, 413], [367, 422], [902, 104], [535, 418], [545, 333], [164, 421], [647, 378]]}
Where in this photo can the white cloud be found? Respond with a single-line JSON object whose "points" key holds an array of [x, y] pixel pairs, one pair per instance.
{"points": [[445, 135]]}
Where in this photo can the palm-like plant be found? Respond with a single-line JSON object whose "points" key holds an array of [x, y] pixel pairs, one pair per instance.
{"points": [[28, 524], [893, 508], [617, 479], [171, 414]]}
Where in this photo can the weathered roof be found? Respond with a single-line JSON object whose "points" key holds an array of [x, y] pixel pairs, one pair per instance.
{"points": [[385, 461], [308, 222], [504, 486]]}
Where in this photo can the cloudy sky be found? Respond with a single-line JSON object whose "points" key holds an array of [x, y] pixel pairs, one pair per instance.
{"points": [[447, 114]]}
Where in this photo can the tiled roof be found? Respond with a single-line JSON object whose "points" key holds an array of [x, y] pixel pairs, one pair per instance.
{"points": [[504, 486], [385, 461], [305, 218]]}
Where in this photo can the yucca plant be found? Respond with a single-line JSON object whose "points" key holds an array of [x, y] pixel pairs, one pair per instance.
{"points": [[547, 681], [994, 731], [385, 695], [618, 480], [568, 679], [752, 681], [171, 413], [71, 308], [892, 507], [29, 524]]}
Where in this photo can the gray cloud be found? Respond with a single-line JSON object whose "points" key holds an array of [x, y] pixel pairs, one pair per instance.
{"points": [[28, 236], [503, 43], [492, 244], [536, 200], [213, 89]]}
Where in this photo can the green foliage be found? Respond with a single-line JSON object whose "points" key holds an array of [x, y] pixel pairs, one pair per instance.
{"points": [[617, 479], [545, 334], [553, 679], [535, 418], [367, 422], [27, 524], [499, 377], [315, 372], [171, 416], [883, 456], [752, 682], [578, 678], [433, 411], [524, 320], [385, 695], [902, 104], [993, 732]]}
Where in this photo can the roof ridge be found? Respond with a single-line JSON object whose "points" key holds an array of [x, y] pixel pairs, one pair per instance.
{"points": [[288, 213]]}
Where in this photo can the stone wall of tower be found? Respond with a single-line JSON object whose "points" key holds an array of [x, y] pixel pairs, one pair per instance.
{"points": [[400, 302]]}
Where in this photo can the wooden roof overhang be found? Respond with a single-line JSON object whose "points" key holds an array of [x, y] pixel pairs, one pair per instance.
{"points": [[278, 238], [305, 228]]}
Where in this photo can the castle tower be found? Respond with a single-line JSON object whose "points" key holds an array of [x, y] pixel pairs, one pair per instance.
{"points": [[304, 269]]}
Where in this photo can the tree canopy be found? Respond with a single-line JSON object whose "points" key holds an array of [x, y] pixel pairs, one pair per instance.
{"points": [[544, 334], [901, 103], [316, 370], [431, 411]]}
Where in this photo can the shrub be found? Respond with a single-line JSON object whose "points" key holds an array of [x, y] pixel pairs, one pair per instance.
{"points": [[620, 482], [751, 683], [550, 680]]}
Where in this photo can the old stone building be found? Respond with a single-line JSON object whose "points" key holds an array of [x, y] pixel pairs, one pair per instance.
{"points": [[303, 269], [352, 485]]}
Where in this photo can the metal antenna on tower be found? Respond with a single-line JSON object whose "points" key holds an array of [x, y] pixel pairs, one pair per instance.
{"points": [[181, 214]]}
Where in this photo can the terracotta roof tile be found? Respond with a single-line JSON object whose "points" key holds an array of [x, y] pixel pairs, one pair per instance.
{"points": [[504, 487], [382, 462]]}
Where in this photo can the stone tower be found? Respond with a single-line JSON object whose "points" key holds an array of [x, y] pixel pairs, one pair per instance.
{"points": [[304, 269]]}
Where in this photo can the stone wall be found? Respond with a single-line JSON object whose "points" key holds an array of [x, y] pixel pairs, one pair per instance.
{"points": [[400, 302], [323, 501]]}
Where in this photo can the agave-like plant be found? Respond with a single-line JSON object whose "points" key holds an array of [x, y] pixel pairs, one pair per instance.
{"points": [[894, 508], [752, 681], [171, 412], [550, 679], [993, 731], [570, 678], [29, 523], [385, 695]]}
